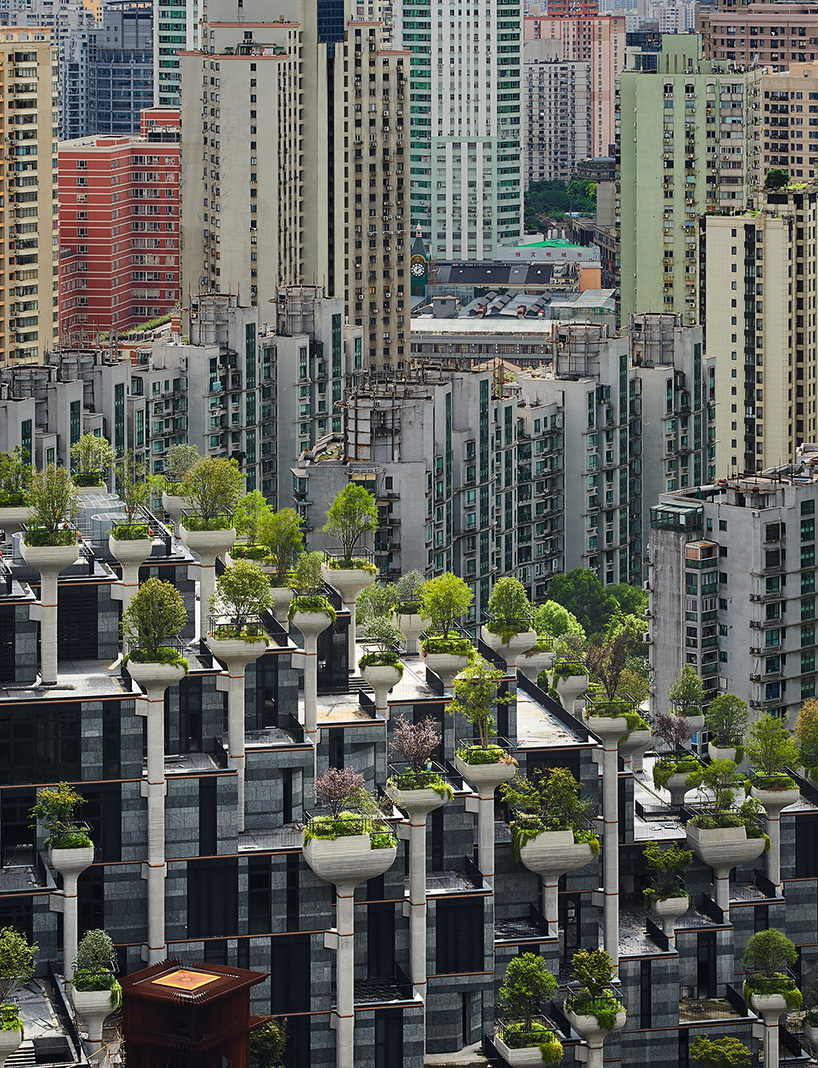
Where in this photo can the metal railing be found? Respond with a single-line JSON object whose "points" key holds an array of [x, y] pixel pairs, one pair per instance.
{"points": [[253, 627], [554, 708]]}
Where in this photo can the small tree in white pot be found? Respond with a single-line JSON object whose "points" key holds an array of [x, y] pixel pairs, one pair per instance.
{"points": [[381, 667], [509, 631], [92, 457], [95, 991], [16, 969]]}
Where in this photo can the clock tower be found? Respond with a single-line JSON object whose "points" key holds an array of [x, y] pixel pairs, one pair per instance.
{"points": [[419, 266]]}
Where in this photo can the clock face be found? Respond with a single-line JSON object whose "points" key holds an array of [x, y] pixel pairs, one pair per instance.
{"points": [[418, 269]]}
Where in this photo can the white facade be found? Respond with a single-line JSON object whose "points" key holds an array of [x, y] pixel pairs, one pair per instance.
{"points": [[466, 180]]}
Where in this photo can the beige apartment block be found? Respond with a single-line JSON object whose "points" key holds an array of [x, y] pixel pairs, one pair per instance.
{"points": [[758, 302], [773, 35], [29, 260], [790, 120]]}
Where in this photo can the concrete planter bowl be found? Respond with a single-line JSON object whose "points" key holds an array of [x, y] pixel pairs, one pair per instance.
{"points": [[696, 722], [569, 688], [718, 752], [9, 1042], [13, 515], [768, 1004], [554, 853], [676, 786], [608, 728], [348, 581], [382, 678], [533, 664], [174, 506], [635, 744], [236, 651], [50, 557], [486, 777], [525, 1057], [311, 624], [208, 543], [130, 552], [591, 1031], [668, 910], [347, 860], [723, 847], [445, 665], [152, 676], [282, 597], [71, 861], [774, 800], [516, 645], [416, 802], [410, 624], [92, 1006]]}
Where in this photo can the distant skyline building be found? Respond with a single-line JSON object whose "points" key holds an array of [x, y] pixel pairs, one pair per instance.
{"points": [[466, 114], [120, 68], [556, 113], [175, 30], [772, 35]]}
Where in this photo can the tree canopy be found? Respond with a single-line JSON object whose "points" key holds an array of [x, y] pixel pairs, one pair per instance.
{"points": [[552, 198]]}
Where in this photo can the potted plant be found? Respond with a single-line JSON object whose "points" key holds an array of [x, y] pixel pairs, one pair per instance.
{"points": [[241, 597], [381, 666], [179, 461], [806, 734], [268, 1042], [724, 836], [443, 601], [569, 676], [151, 625], [419, 783], [212, 488], [523, 1038], [508, 631], [249, 519], [375, 602], [130, 542], [594, 1009], [686, 696], [539, 659], [771, 749], [281, 535], [16, 969], [352, 828], [666, 895], [92, 457], [54, 506], [56, 809], [95, 991], [767, 955], [310, 600], [15, 478], [726, 1052], [671, 770], [550, 834], [408, 608], [476, 692], [352, 514], [726, 722]]}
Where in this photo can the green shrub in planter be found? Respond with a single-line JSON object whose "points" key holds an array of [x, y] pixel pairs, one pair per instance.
{"points": [[153, 622], [15, 477], [594, 970], [727, 1052], [547, 801], [93, 967], [16, 963], [56, 810], [771, 749], [92, 457], [509, 608], [766, 954], [527, 984], [352, 514], [267, 1044], [668, 865]]}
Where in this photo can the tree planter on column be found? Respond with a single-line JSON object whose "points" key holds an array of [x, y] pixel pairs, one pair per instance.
{"points": [[410, 624], [527, 1056], [551, 855], [155, 678], [632, 749], [131, 554], [485, 778], [9, 1042], [345, 862], [382, 678], [668, 910], [722, 848], [510, 650], [717, 752], [207, 544], [14, 516], [445, 665], [94, 1007], [237, 653], [533, 664], [774, 801], [418, 804], [589, 1028], [49, 560], [282, 596], [70, 863], [349, 581], [569, 688], [311, 625], [770, 1007], [174, 506]]}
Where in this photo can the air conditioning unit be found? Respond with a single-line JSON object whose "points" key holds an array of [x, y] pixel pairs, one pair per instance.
{"points": [[755, 651], [755, 678]]}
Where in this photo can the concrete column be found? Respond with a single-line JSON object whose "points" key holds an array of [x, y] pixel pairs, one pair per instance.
{"points": [[49, 560], [485, 778], [311, 625], [349, 582], [770, 1007], [207, 544], [70, 863], [774, 801], [155, 679], [345, 977], [610, 848]]}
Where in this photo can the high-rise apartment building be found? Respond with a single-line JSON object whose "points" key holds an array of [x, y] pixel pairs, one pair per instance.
{"points": [[598, 40], [732, 580], [760, 273], [466, 174], [556, 113], [175, 29], [120, 68], [28, 184], [119, 229], [687, 142], [313, 191], [772, 35], [790, 120]]}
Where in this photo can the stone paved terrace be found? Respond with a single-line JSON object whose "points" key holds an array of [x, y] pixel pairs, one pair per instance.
{"points": [[536, 727], [81, 680]]}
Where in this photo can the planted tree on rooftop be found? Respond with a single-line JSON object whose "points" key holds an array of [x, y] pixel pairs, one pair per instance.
{"points": [[771, 749], [268, 1043], [476, 692], [674, 730], [806, 733], [607, 659], [250, 514], [407, 593], [15, 477], [337, 788], [280, 532], [242, 594], [16, 962], [443, 601], [179, 461], [92, 457], [153, 621], [54, 503], [56, 811], [351, 515], [726, 720], [213, 486], [134, 486], [776, 178], [769, 954], [722, 779], [686, 693], [527, 984], [727, 1052]]}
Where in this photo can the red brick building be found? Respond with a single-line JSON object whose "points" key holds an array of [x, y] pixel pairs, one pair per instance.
{"points": [[119, 228]]}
